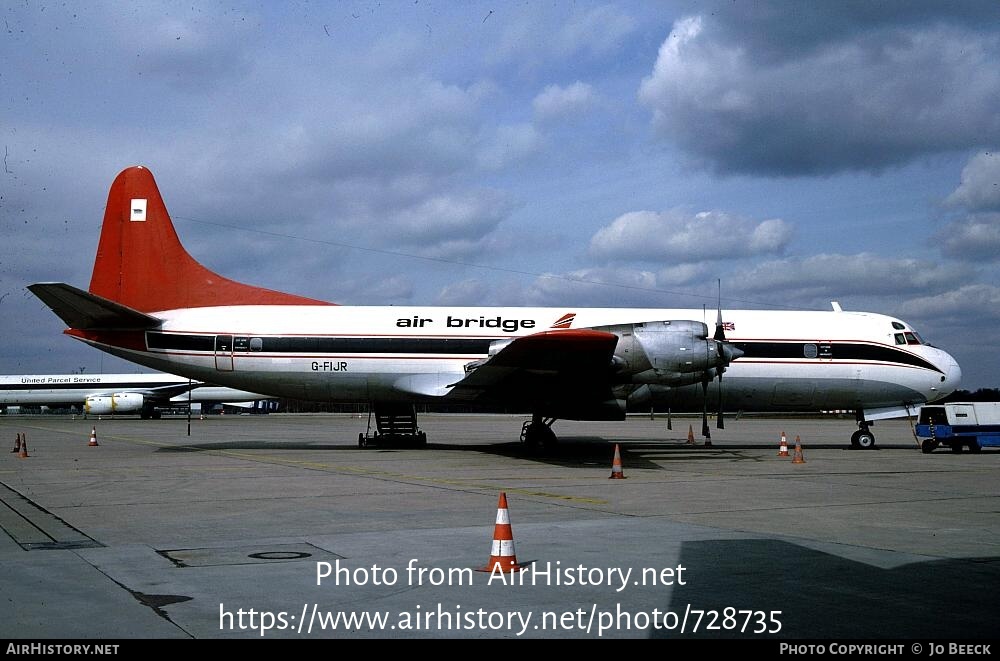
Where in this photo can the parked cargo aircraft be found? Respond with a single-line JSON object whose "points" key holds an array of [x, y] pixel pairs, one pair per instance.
{"points": [[150, 302], [110, 394]]}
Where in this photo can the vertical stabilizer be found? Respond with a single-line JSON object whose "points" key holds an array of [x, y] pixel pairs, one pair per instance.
{"points": [[141, 263]]}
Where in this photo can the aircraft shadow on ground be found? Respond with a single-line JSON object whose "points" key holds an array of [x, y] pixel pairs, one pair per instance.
{"points": [[570, 451], [825, 596]]}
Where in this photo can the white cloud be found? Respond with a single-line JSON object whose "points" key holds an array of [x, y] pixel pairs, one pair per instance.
{"points": [[453, 216], [555, 101], [508, 144], [979, 300], [975, 238], [864, 274], [613, 287], [980, 187], [597, 31], [868, 98], [683, 274], [596, 287], [679, 236], [470, 292], [376, 291]]}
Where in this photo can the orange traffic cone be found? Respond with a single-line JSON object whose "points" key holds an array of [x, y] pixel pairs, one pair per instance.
{"points": [[616, 466], [798, 458], [691, 434], [783, 446], [502, 554], [17, 445], [23, 454], [93, 437]]}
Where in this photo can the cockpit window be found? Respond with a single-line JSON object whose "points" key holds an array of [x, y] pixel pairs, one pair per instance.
{"points": [[908, 336]]}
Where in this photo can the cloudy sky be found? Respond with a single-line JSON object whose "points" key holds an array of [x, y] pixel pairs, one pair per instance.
{"points": [[530, 153]]}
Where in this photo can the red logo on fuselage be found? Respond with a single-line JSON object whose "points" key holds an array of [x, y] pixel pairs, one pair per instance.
{"points": [[565, 321]]}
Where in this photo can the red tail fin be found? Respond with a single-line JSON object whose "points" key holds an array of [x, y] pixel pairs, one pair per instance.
{"points": [[142, 264]]}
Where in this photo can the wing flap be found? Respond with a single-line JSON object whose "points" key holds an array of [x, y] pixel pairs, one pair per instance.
{"points": [[562, 371]]}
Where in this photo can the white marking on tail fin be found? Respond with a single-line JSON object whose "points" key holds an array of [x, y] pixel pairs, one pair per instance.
{"points": [[138, 211]]}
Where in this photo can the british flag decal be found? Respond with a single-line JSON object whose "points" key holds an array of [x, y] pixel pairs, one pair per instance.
{"points": [[565, 321]]}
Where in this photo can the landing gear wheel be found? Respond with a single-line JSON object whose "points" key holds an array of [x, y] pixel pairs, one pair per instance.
{"points": [[863, 440], [928, 446], [535, 434], [974, 446], [362, 441], [422, 440], [956, 447]]}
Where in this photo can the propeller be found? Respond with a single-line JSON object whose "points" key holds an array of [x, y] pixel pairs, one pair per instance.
{"points": [[720, 339], [726, 354], [705, 431], [705, 380]]}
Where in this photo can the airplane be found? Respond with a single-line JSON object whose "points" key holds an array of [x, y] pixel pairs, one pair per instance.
{"points": [[115, 394], [150, 302]]}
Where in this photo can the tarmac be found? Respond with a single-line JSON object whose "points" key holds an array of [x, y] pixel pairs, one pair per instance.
{"points": [[281, 527]]}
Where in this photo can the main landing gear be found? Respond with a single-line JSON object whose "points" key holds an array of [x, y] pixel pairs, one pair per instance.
{"points": [[538, 432]]}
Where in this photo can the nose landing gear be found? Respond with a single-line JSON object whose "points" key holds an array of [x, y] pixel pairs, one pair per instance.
{"points": [[863, 439]]}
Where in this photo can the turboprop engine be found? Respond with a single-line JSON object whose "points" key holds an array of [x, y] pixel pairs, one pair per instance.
{"points": [[671, 353], [119, 402]]}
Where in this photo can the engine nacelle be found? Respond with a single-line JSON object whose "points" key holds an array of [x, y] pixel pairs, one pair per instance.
{"points": [[119, 402], [672, 353]]}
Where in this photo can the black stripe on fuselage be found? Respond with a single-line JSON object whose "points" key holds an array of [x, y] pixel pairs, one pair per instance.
{"points": [[180, 342], [325, 345], [851, 351], [838, 351]]}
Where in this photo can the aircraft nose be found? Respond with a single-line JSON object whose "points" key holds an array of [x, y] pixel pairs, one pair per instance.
{"points": [[952, 376]]}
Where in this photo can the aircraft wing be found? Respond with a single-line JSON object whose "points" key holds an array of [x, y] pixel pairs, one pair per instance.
{"points": [[83, 310], [557, 371], [157, 393], [165, 393]]}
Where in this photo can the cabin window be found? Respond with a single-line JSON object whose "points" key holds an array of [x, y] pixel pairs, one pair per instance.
{"points": [[810, 350], [256, 344], [900, 338]]}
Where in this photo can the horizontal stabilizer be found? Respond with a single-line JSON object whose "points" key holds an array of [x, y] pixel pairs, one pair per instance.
{"points": [[85, 311]]}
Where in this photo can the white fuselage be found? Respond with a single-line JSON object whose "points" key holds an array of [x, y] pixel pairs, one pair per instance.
{"points": [[75, 389], [793, 360]]}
